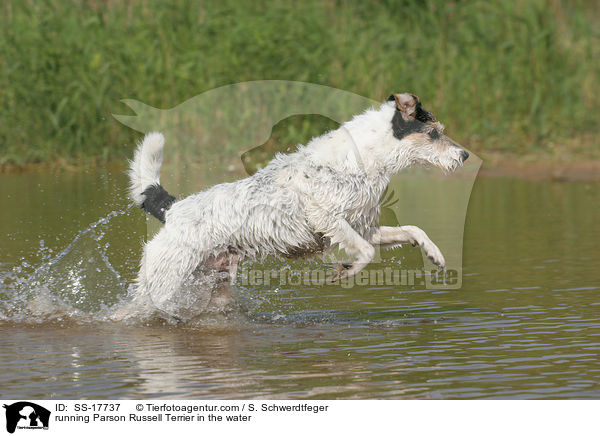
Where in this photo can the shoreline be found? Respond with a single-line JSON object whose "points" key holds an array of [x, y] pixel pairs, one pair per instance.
{"points": [[542, 170]]}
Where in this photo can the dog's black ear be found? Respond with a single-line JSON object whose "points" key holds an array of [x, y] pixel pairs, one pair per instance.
{"points": [[406, 104]]}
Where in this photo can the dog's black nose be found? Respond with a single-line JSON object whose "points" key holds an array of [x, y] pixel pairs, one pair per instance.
{"points": [[464, 155]]}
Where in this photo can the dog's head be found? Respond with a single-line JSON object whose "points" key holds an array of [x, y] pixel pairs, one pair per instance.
{"points": [[421, 138]]}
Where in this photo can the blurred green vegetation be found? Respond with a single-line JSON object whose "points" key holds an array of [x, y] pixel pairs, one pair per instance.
{"points": [[518, 75]]}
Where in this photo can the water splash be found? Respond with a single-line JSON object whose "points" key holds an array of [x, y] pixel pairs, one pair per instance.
{"points": [[80, 284], [75, 283]]}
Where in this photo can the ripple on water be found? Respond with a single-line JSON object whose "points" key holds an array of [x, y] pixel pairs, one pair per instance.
{"points": [[512, 331]]}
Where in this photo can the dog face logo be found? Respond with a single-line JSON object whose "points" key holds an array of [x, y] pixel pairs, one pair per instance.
{"points": [[26, 415], [370, 140]]}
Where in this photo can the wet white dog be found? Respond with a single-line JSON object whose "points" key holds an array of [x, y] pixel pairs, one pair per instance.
{"points": [[327, 193]]}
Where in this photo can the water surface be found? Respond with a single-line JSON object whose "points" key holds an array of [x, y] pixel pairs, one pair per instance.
{"points": [[524, 324]]}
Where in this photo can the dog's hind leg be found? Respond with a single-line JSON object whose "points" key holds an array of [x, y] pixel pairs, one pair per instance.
{"points": [[223, 268], [167, 274], [392, 236]]}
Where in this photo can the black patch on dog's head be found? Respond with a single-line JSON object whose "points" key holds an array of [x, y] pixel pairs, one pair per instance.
{"points": [[404, 124], [403, 128]]}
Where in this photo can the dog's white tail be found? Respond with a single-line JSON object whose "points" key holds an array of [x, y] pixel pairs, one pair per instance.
{"points": [[144, 169]]}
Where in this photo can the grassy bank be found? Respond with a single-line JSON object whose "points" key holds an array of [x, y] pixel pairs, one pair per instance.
{"points": [[517, 76]]}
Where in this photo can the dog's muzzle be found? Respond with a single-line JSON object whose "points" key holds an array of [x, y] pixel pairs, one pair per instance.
{"points": [[464, 155]]}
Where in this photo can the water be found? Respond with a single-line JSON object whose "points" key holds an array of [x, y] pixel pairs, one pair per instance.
{"points": [[524, 324]]}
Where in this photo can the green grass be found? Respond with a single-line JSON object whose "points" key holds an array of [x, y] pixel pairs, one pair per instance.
{"points": [[517, 76]]}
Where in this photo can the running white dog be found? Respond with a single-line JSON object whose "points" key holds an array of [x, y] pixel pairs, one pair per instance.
{"points": [[327, 193]]}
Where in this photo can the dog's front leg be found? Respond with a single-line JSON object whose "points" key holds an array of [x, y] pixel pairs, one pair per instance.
{"points": [[349, 240], [392, 236]]}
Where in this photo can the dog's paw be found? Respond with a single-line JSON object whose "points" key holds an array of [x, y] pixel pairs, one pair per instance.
{"points": [[418, 237], [340, 272], [336, 277], [345, 271], [434, 254]]}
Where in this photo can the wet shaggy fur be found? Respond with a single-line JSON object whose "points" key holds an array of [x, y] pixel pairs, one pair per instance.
{"points": [[325, 194]]}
